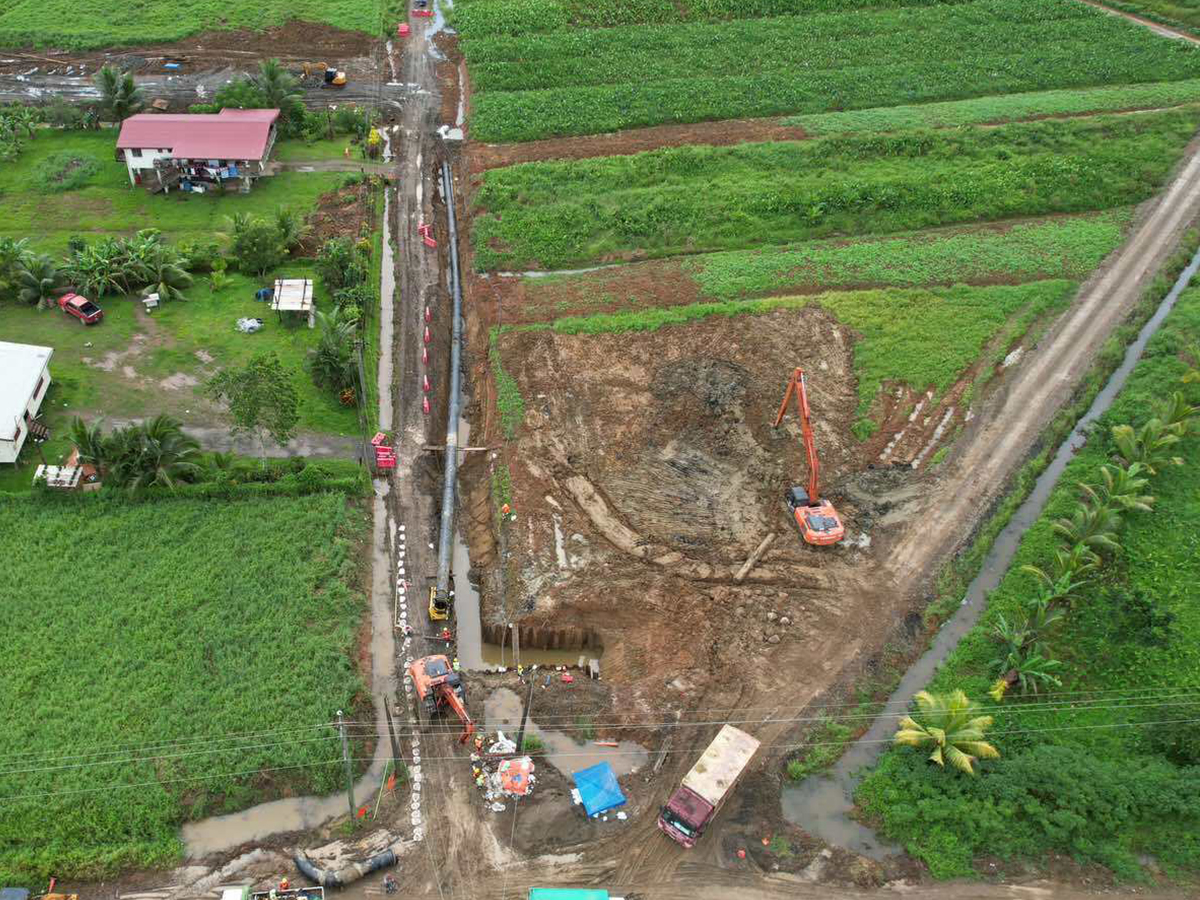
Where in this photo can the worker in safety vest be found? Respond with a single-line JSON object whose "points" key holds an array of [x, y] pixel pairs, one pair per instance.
{"points": [[454, 665]]}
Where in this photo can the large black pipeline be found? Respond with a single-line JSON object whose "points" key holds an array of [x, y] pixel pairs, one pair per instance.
{"points": [[446, 543], [347, 874]]}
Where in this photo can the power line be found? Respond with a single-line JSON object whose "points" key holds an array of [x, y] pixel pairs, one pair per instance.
{"points": [[770, 748]]}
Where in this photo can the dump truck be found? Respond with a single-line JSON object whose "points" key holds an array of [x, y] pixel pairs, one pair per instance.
{"points": [[699, 796]]}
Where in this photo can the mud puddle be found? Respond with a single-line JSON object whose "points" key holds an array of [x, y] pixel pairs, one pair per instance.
{"points": [[821, 805], [502, 710]]}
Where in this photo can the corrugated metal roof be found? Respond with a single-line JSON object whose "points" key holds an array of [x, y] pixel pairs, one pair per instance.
{"points": [[21, 366], [229, 134]]}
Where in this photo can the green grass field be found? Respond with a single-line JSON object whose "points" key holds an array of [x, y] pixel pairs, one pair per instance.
{"points": [[1004, 108], [692, 199], [1091, 779], [1184, 14], [584, 81], [109, 204], [157, 623], [64, 24]]}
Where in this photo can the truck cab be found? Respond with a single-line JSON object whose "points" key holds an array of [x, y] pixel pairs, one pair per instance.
{"points": [[684, 817]]}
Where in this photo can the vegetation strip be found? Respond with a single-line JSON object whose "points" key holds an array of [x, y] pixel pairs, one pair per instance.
{"points": [[1098, 792], [692, 199], [1003, 108]]}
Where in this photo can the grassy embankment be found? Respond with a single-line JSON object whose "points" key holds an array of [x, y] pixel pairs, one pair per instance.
{"points": [[1111, 771]]}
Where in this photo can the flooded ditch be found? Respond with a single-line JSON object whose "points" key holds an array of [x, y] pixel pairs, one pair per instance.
{"points": [[821, 804]]}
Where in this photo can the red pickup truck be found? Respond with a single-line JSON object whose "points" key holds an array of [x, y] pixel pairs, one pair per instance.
{"points": [[81, 308]]}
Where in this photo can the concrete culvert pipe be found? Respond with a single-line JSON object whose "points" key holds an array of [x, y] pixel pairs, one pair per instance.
{"points": [[349, 873]]}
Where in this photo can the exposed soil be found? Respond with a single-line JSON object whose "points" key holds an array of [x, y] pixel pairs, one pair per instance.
{"points": [[482, 156], [207, 51], [340, 213]]}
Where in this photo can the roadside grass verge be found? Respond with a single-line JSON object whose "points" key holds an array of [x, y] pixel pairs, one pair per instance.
{"points": [[1095, 780], [694, 199], [585, 81], [1004, 108], [1067, 247], [925, 338], [68, 25], [196, 620]]}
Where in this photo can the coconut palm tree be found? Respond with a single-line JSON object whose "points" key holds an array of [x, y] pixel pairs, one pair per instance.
{"points": [[90, 442], [1092, 525], [291, 226], [1121, 489], [279, 87], [1148, 445], [120, 96], [154, 453], [166, 275], [955, 735], [38, 280], [1177, 413], [11, 253], [1192, 375]]}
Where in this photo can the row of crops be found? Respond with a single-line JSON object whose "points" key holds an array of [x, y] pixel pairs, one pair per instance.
{"points": [[693, 199], [583, 81]]}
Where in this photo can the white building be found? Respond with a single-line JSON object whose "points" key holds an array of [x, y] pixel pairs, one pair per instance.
{"points": [[24, 378]]}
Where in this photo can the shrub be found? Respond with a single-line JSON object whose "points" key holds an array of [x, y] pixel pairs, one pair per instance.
{"points": [[339, 265], [64, 171], [199, 255]]}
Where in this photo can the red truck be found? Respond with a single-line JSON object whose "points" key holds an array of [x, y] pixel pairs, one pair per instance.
{"points": [[698, 798], [81, 308]]}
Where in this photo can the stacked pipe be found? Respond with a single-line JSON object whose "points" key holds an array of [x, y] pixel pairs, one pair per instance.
{"points": [[446, 543]]}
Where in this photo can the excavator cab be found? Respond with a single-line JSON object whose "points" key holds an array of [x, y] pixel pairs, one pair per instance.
{"points": [[439, 687], [819, 522]]}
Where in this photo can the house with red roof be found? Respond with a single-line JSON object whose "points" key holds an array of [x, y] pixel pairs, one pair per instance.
{"points": [[200, 151]]}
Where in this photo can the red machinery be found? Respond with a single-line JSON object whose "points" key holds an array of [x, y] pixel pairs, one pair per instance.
{"points": [[818, 520], [439, 687], [385, 456]]}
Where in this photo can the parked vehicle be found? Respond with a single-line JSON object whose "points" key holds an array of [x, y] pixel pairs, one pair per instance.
{"points": [[698, 798], [81, 308]]}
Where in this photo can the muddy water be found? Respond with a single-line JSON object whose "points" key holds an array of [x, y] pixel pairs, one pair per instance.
{"points": [[502, 709], [221, 833], [387, 294], [821, 804]]}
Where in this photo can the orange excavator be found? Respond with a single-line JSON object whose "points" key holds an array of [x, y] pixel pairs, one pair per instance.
{"points": [[439, 687], [818, 520]]}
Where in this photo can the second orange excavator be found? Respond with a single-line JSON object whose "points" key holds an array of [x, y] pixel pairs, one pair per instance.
{"points": [[439, 687], [818, 520]]}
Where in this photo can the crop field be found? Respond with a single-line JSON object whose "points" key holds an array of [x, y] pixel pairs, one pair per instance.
{"points": [[195, 621], [1182, 14], [65, 24], [1105, 781], [694, 199], [585, 81]]}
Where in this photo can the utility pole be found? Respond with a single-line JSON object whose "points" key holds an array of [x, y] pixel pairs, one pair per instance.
{"points": [[392, 731], [525, 715], [362, 400], [346, 760], [516, 644]]}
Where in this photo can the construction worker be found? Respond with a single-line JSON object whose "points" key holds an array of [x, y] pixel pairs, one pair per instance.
{"points": [[521, 673], [454, 665], [283, 884], [389, 884]]}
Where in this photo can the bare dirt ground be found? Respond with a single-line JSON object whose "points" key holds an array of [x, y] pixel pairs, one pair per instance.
{"points": [[621, 143]]}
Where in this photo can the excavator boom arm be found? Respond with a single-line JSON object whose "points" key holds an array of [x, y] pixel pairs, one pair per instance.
{"points": [[797, 387], [450, 698]]}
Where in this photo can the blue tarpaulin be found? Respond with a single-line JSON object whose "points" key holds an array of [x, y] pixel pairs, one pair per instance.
{"points": [[598, 788]]}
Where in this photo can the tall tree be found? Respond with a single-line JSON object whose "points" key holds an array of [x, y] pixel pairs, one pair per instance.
{"points": [[260, 398], [11, 253], [120, 96], [955, 735], [280, 88]]}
